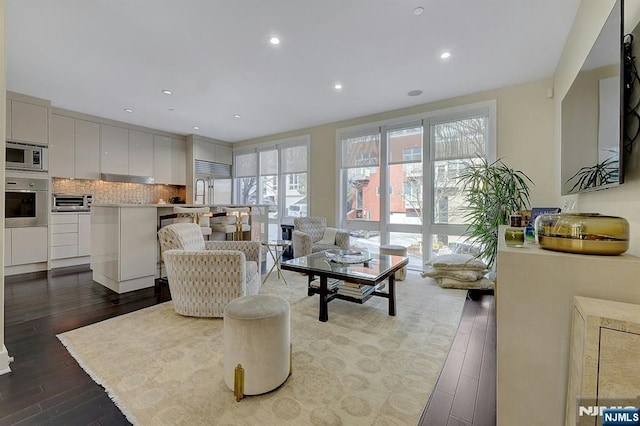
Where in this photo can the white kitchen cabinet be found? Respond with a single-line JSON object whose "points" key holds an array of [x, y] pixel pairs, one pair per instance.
{"points": [[29, 245], [62, 147], [7, 246], [64, 235], [114, 150], [178, 162], [223, 154], [8, 123], [205, 151], [123, 246], [162, 147], [84, 234], [87, 149], [70, 237], [29, 122], [140, 153]]}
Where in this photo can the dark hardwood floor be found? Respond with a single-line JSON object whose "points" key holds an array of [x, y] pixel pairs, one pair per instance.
{"points": [[465, 394], [47, 386]]}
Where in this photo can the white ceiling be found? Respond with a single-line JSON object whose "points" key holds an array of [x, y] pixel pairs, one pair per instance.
{"points": [[102, 56]]}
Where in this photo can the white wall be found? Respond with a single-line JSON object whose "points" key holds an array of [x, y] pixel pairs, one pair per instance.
{"points": [[624, 200], [524, 137]]}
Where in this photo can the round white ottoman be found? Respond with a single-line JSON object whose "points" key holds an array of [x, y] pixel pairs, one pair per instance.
{"points": [[395, 250], [257, 344]]}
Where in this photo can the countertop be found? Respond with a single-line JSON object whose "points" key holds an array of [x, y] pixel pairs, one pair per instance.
{"points": [[171, 205]]}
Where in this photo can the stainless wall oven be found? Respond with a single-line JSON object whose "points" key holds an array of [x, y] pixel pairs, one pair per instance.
{"points": [[25, 202], [23, 156]]}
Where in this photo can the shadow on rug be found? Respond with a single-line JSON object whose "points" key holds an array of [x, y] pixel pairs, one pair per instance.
{"points": [[362, 367]]}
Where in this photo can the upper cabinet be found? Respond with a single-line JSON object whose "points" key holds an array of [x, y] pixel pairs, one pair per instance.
{"points": [[62, 147], [74, 148], [204, 151], [223, 154], [28, 122], [114, 150], [208, 151], [87, 149], [140, 153], [169, 160], [162, 159], [178, 162]]}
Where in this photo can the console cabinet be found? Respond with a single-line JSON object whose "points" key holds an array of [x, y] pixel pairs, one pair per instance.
{"points": [[605, 355], [534, 309]]}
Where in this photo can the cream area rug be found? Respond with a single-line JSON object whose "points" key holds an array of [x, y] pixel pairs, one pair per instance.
{"points": [[362, 367]]}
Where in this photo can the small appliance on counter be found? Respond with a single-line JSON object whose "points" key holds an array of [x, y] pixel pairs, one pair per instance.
{"points": [[176, 200], [71, 203]]}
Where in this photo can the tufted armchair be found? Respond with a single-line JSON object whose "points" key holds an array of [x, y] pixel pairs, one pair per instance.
{"points": [[205, 275], [311, 235]]}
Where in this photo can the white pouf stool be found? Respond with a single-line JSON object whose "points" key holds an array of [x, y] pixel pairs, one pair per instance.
{"points": [[394, 250], [257, 344]]}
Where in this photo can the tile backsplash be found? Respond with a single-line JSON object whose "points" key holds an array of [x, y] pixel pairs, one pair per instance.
{"points": [[116, 192]]}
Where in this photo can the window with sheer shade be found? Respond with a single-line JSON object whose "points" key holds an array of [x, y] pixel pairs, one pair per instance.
{"points": [[275, 175]]}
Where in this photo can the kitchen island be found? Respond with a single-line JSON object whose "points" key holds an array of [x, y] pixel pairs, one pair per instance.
{"points": [[124, 244]]}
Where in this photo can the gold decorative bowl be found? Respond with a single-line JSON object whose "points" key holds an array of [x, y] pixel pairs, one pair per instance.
{"points": [[583, 233]]}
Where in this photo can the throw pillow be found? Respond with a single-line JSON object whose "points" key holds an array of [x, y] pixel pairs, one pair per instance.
{"points": [[462, 275], [481, 284], [457, 261]]}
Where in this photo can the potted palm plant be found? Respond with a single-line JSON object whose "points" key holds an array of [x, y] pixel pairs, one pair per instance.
{"points": [[492, 192]]}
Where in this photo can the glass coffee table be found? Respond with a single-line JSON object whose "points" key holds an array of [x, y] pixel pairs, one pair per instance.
{"points": [[342, 276]]}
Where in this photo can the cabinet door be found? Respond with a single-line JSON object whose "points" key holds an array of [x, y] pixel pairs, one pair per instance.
{"points": [[205, 151], [178, 162], [138, 242], [29, 122], [223, 154], [62, 147], [8, 129], [84, 235], [114, 150], [7, 246], [162, 159], [87, 150], [29, 245], [140, 153]]}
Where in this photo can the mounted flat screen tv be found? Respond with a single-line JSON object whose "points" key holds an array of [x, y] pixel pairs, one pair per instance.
{"points": [[593, 115]]}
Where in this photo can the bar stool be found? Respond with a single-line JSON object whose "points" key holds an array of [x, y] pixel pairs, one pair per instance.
{"points": [[197, 215], [242, 220]]}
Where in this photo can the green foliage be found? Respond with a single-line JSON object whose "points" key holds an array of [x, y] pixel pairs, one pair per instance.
{"points": [[492, 192], [595, 176]]}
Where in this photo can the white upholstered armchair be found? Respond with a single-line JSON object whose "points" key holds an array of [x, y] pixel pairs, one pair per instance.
{"points": [[205, 275], [311, 235]]}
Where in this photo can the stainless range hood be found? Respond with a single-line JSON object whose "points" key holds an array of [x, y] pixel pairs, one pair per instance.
{"points": [[112, 177]]}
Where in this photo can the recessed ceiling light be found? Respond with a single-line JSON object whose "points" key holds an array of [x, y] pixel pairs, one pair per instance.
{"points": [[196, 128], [415, 93], [171, 109], [236, 115], [445, 55], [167, 92], [274, 40], [418, 11], [337, 86], [128, 110]]}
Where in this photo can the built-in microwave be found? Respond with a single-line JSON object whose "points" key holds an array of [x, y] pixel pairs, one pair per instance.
{"points": [[22, 156]]}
